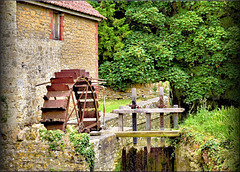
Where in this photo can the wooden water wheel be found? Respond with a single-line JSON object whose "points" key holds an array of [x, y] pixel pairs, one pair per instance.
{"points": [[71, 85]]}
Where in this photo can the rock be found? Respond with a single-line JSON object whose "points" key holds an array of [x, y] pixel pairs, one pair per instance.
{"points": [[22, 134]]}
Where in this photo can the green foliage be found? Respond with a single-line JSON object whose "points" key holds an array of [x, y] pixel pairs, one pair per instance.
{"points": [[194, 45], [118, 167], [83, 147], [112, 31], [217, 134], [4, 109], [52, 137]]}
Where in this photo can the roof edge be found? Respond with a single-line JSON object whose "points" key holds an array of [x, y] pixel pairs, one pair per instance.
{"points": [[62, 9]]}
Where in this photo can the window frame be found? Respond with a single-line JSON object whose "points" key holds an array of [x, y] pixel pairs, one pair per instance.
{"points": [[56, 26]]}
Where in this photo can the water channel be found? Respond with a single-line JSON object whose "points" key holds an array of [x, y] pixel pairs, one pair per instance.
{"points": [[135, 158]]}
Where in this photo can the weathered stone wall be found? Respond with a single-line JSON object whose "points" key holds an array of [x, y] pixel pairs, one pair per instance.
{"points": [[8, 52], [185, 159], [30, 57], [147, 91], [80, 45], [29, 152], [106, 148]]}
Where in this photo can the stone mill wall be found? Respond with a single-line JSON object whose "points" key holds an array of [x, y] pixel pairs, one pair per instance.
{"points": [[29, 56], [28, 152]]}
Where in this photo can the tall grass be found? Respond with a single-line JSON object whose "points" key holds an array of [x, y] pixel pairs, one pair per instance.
{"points": [[223, 125]]}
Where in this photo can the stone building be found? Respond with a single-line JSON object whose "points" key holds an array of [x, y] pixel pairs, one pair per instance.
{"points": [[39, 38]]}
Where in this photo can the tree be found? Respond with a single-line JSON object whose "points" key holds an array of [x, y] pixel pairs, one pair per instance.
{"points": [[113, 30], [194, 45]]}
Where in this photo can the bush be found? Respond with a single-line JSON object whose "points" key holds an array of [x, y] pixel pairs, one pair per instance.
{"points": [[216, 132]]}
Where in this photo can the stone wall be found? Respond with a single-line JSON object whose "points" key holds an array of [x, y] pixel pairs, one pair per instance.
{"points": [[185, 158], [30, 57], [80, 45], [146, 91], [9, 63], [28, 152], [106, 148]]}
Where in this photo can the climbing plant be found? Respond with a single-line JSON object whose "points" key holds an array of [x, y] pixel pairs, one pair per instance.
{"points": [[52, 137], [83, 147], [194, 45]]}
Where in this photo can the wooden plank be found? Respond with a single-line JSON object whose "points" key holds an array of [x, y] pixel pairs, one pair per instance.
{"points": [[89, 104], [120, 124], [89, 95], [58, 94], [148, 133], [120, 120], [53, 114], [81, 82], [90, 114], [148, 128], [81, 88], [134, 115], [72, 70], [66, 74], [162, 140], [55, 104], [175, 117], [161, 100], [58, 87], [54, 125], [62, 80], [148, 110]]}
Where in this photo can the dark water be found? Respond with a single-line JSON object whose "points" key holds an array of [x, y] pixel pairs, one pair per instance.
{"points": [[159, 159]]}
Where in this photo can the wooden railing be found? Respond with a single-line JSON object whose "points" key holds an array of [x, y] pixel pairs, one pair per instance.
{"points": [[148, 111]]}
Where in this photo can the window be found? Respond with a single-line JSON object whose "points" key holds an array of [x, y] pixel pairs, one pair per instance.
{"points": [[56, 26]]}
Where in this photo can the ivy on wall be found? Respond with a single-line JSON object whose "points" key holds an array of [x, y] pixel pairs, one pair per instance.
{"points": [[79, 140]]}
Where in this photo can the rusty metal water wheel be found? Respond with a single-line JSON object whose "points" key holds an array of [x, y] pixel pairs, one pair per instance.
{"points": [[73, 85]]}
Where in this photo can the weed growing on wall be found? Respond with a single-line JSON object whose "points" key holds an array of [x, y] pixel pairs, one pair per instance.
{"points": [[83, 147], [52, 137], [214, 135], [79, 140]]}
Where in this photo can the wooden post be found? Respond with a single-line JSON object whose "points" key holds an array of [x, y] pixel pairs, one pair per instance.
{"points": [[120, 120], [175, 117], [148, 128], [103, 106], [120, 124], [161, 93], [134, 115]]}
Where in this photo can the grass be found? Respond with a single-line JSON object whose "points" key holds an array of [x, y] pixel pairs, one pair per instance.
{"points": [[216, 130], [111, 104], [221, 123]]}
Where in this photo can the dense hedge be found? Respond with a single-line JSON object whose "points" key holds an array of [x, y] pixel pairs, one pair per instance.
{"points": [[194, 45]]}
